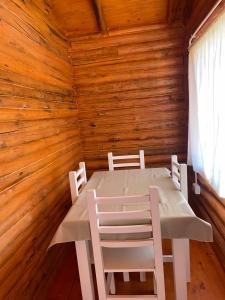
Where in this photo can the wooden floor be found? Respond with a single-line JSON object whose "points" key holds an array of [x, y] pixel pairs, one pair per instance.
{"points": [[207, 282]]}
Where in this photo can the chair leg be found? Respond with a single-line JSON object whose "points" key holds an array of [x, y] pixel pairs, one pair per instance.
{"points": [[188, 271], [112, 285], [126, 277], [142, 276], [154, 284]]}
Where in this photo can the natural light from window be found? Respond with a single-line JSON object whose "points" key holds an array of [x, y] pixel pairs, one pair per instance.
{"points": [[206, 145]]}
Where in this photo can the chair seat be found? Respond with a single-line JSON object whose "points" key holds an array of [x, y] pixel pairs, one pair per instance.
{"points": [[129, 259]]}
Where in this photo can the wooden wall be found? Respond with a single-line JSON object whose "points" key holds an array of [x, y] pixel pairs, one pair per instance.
{"points": [[39, 143], [130, 91], [130, 88], [211, 208], [208, 205]]}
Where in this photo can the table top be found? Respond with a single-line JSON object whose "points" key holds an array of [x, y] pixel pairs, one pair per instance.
{"points": [[176, 216]]}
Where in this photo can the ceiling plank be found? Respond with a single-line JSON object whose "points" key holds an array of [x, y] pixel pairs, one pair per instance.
{"points": [[97, 4], [188, 9], [176, 9]]}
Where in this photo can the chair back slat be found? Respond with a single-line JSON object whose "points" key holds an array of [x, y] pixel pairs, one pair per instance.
{"points": [[136, 297], [122, 200], [126, 243], [126, 165], [179, 175], [125, 229], [140, 157], [79, 172], [78, 180], [121, 157], [120, 215], [175, 168]]}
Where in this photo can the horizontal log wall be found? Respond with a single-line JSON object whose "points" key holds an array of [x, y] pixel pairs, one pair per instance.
{"points": [[208, 204], [130, 92], [39, 143]]}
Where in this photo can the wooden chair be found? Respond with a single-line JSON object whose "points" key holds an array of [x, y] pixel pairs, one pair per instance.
{"points": [[179, 176], [112, 166], [140, 157], [130, 255], [78, 180]]}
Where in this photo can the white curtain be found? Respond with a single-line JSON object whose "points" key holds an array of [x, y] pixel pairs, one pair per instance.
{"points": [[206, 144]]}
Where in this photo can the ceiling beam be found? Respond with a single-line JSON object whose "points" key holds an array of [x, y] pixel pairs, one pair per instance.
{"points": [[97, 4]]}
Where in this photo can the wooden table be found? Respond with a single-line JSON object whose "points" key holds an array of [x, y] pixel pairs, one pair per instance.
{"points": [[178, 222]]}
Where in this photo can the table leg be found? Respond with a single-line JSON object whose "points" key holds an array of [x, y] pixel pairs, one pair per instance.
{"points": [[179, 268], [85, 273], [188, 265]]}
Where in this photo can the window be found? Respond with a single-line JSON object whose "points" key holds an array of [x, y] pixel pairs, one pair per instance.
{"points": [[206, 145]]}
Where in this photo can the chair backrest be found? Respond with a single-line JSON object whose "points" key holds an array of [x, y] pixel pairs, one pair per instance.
{"points": [[140, 163], [78, 180], [100, 218], [179, 175]]}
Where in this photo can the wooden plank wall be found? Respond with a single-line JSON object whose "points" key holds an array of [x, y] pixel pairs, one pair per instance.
{"points": [[208, 204], [39, 143], [130, 91], [212, 208]]}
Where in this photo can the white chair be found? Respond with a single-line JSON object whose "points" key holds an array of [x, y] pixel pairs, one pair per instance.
{"points": [[78, 180], [140, 157], [139, 161], [112, 254], [179, 176]]}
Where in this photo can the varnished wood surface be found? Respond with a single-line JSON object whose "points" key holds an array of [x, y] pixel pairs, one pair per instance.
{"points": [[207, 278], [77, 17], [129, 88], [209, 206], [130, 93], [39, 143], [83, 17]]}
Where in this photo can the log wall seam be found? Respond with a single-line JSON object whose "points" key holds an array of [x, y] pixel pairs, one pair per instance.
{"points": [[130, 93]]}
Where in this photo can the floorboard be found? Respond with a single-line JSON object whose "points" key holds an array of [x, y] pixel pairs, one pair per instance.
{"points": [[207, 278]]}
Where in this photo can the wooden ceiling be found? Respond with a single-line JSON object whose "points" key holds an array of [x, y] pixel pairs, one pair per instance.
{"points": [[84, 17]]}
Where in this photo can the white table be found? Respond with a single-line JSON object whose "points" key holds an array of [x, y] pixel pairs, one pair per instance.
{"points": [[178, 221]]}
